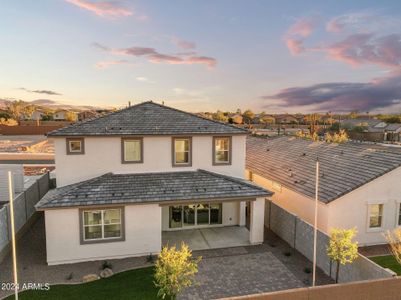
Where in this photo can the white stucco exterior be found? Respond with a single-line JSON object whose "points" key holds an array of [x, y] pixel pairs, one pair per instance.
{"points": [[348, 211], [103, 154], [144, 223], [256, 228], [142, 236]]}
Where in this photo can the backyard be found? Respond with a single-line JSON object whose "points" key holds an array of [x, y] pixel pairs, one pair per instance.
{"points": [[387, 261], [224, 272], [133, 284]]}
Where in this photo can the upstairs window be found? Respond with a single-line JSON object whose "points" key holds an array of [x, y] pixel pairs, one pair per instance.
{"points": [[75, 146], [182, 151], [132, 150], [375, 215], [222, 150]]}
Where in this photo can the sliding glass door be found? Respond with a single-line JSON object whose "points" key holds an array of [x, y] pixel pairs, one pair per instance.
{"points": [[189, 215], [202, 214], [193, 215]]}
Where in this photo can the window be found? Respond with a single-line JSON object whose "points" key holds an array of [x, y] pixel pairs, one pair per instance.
{"points": [[195, 215], [182, 151], [375, 215], [132, 150], [75, 146], [222, 150], [102, 225]]}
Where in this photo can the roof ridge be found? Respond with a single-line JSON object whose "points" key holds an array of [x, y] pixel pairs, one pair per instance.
{"points": [[233, 179], [97, 118], [197, 116]]}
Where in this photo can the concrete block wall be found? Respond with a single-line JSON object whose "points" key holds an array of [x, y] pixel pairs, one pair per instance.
{"points": [[3, 227], [18, 180], [299, 235], [282, 223], [24, 209]]}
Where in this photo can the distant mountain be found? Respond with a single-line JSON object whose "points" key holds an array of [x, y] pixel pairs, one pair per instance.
{"points": [[51, 104]]}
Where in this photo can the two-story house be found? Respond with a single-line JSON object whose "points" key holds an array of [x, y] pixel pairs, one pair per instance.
{"points": [[127, 178]]}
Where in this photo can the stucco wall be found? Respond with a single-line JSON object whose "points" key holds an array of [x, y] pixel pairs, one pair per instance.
{"points": [[230, 215], [351, 210], [142, 236], [293, 202], [103, 154]]}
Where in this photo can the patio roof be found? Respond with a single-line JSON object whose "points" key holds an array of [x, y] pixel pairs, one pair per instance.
{"points": [[110, 189]]}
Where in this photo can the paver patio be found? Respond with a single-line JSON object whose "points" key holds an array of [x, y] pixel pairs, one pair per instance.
{"points": [[222, 272]]}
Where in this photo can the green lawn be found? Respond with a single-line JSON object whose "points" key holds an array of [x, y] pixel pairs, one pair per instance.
{"points": [[387, 261], [133, 284]]}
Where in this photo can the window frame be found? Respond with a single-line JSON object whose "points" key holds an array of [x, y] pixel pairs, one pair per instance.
{"points": [[84, 241], [134, 138], [230, 147], [174, 163], [375, 229], [68, 145], [196, 225]]}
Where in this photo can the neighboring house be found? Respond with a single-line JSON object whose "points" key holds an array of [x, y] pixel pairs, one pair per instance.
{"points": [[359, 183], [62, 115], [87, 114], [236, 118], [286, 119], [127, 177], [392, 132], [37, 115], [264, 119], [369, 125]]}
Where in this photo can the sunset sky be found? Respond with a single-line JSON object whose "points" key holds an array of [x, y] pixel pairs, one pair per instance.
{"points": [[276, 56]]}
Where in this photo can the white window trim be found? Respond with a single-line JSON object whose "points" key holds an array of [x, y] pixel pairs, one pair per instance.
{"points": [[375, 229], [102, 224]]}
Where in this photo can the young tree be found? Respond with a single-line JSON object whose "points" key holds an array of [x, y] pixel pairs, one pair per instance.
{"points": [[342, 249], [248, 116], [175, 270], [70, 116], [394, 240]]}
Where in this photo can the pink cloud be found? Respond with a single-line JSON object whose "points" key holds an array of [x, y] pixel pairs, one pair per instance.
{"points": [[294, 38], [365, 48], [295, 46], [103, 9], [183, 44], [303, 27], [108, 63], [154, 56]]}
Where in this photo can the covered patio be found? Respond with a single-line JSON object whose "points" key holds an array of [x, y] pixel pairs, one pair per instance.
{"points": [[208, 238]]}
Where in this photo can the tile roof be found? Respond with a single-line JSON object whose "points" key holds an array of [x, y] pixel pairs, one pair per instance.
{"points": [[147, 118], [291, 162], [150, 188], [393, 127]]}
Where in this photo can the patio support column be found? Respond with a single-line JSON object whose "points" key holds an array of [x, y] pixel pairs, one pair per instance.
{"points": [[256, 231], [242, 213]]}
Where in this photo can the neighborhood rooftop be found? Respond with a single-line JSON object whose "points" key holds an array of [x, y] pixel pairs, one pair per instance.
{"points": [[291, 162], [151, 188], [147, 118]]}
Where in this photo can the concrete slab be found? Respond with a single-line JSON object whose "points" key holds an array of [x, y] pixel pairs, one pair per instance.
{"points": [[208, 238]]}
